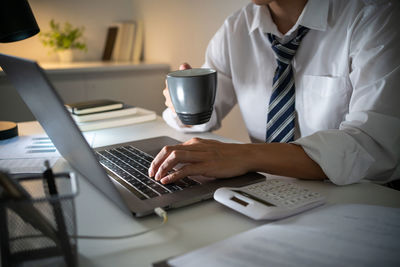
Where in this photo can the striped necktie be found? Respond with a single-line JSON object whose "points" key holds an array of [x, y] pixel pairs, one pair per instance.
{"points": [[281, 109]]}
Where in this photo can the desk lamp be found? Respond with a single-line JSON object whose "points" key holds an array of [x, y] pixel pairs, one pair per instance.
{"points": [[16, 23]]}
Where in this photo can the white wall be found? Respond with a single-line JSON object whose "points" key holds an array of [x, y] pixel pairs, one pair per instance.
{"points": [[94, 15], [179, 30], [176, 31]]}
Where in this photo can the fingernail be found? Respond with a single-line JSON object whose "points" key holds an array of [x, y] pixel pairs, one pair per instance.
{"points": [[165, 180], [151, 173]]}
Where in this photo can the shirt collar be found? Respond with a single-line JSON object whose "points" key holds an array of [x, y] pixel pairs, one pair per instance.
{"points": [[314, 16]]}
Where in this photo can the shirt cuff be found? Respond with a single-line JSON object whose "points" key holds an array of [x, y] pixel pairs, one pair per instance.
{"points": [[338, 154], [173, 121]]}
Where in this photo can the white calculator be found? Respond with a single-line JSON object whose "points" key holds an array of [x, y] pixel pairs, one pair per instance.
{"points": [[269, 200]]}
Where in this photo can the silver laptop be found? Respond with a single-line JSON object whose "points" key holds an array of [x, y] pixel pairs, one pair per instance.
{"points": [[117, 171]]}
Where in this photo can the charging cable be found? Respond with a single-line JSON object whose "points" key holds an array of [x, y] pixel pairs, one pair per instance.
{"points": [[159, 211]]}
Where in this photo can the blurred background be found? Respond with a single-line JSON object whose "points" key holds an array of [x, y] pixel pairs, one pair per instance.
{"points": [[175, 31]]}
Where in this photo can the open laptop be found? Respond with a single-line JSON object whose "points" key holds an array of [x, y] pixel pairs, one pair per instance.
{"points": [[118, 171]]}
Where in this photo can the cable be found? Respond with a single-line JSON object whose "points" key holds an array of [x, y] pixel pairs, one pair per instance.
{"points": [[159, 211]]}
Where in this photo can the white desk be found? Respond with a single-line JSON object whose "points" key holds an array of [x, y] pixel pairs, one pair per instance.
{"points": [[188, 228]]}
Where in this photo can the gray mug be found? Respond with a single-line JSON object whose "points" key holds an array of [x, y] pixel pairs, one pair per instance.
{"points": [[192, 93]]}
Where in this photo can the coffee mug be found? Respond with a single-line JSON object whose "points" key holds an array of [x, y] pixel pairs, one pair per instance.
{"points": [[192, 93]]}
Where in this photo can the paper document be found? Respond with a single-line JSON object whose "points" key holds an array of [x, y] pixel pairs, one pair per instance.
{"points": [[338, 235], [30, 146], [26, 154], [141, 115]]}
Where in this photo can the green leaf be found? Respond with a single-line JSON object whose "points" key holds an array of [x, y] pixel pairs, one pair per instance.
{"points": [[63, 37]]}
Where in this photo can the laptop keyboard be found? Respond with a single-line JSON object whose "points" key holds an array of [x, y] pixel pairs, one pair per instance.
{"points": [[131, 165]]}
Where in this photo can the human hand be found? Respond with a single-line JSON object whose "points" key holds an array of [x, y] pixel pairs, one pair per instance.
{"points": [[208, 158], [168, 101]]}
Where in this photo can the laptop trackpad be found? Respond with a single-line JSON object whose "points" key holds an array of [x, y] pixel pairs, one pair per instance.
{"points": [[154, 145]]}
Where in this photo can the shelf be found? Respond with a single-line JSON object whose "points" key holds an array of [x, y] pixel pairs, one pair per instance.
{"points": [[97, 66]]}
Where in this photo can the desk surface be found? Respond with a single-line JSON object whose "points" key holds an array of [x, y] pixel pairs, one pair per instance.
{"points": [[188, 228]]}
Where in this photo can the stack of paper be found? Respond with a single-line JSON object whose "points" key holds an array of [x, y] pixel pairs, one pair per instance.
{"points": [[115, 118], [339, 235]]}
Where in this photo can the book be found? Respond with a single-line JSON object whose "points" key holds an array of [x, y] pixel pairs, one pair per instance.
{"points": [[93, 106], [110, 43], [141, 115], [117, 45], [108, 114], [124, 41], [137, 52], [127, 41]]}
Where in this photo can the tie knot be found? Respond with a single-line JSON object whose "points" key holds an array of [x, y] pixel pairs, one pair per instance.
{"points": [[285, 52]]}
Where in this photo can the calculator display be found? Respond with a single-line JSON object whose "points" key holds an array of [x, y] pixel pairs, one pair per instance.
{"points": [[241, 202], [251, 197]]}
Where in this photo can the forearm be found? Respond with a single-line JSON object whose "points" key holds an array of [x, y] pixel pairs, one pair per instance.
{"points": [[282, 159], [212, 158]]}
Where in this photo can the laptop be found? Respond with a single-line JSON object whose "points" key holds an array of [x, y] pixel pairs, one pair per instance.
{"points": [[117, 171]]}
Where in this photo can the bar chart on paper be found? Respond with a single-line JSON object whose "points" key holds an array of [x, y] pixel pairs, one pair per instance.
{"points": [[40, 145], [26, 154]]}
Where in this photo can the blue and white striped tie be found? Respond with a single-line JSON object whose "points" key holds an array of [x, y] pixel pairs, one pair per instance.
{"points": [[281, 109]]}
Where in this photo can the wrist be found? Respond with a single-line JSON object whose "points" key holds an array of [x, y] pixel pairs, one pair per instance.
{"points": [[250, 155], [265, 157]]}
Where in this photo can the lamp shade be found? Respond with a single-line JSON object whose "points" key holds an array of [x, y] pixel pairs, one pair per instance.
{"points": [[16, 21]]}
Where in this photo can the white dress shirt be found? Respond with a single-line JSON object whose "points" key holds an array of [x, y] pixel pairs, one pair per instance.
{"points": [[347, 80]]}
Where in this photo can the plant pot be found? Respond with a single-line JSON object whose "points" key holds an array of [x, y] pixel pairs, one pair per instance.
{"points": [[66, 56]]}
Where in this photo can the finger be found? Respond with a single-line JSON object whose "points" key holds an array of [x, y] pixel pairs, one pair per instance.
{"points": [[168, 101], [194, 140], [161, 156], [190, 169], [179, 156], [169, 105], [197, 140], [166, 94], [184, 66]]}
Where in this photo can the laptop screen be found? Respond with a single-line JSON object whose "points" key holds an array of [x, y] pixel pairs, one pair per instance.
{"points": [[46, 105]]}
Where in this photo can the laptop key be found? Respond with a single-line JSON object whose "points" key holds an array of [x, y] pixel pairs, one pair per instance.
{"points": [[148, 181], [189, 181], [134, 182], [141, 153], [181, 184], [105, 163], [150, 193], [159, 189], [140, 176], [172, 187], [142, 169]]}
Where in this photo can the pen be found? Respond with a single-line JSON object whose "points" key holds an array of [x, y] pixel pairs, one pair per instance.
{"points": [[48, 175]]}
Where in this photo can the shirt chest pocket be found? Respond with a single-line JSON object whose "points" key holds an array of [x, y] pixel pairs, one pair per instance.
{"points": [[326, 101]]}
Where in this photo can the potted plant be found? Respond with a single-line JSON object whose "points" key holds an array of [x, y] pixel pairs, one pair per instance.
{"points": [[63, 40]]}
